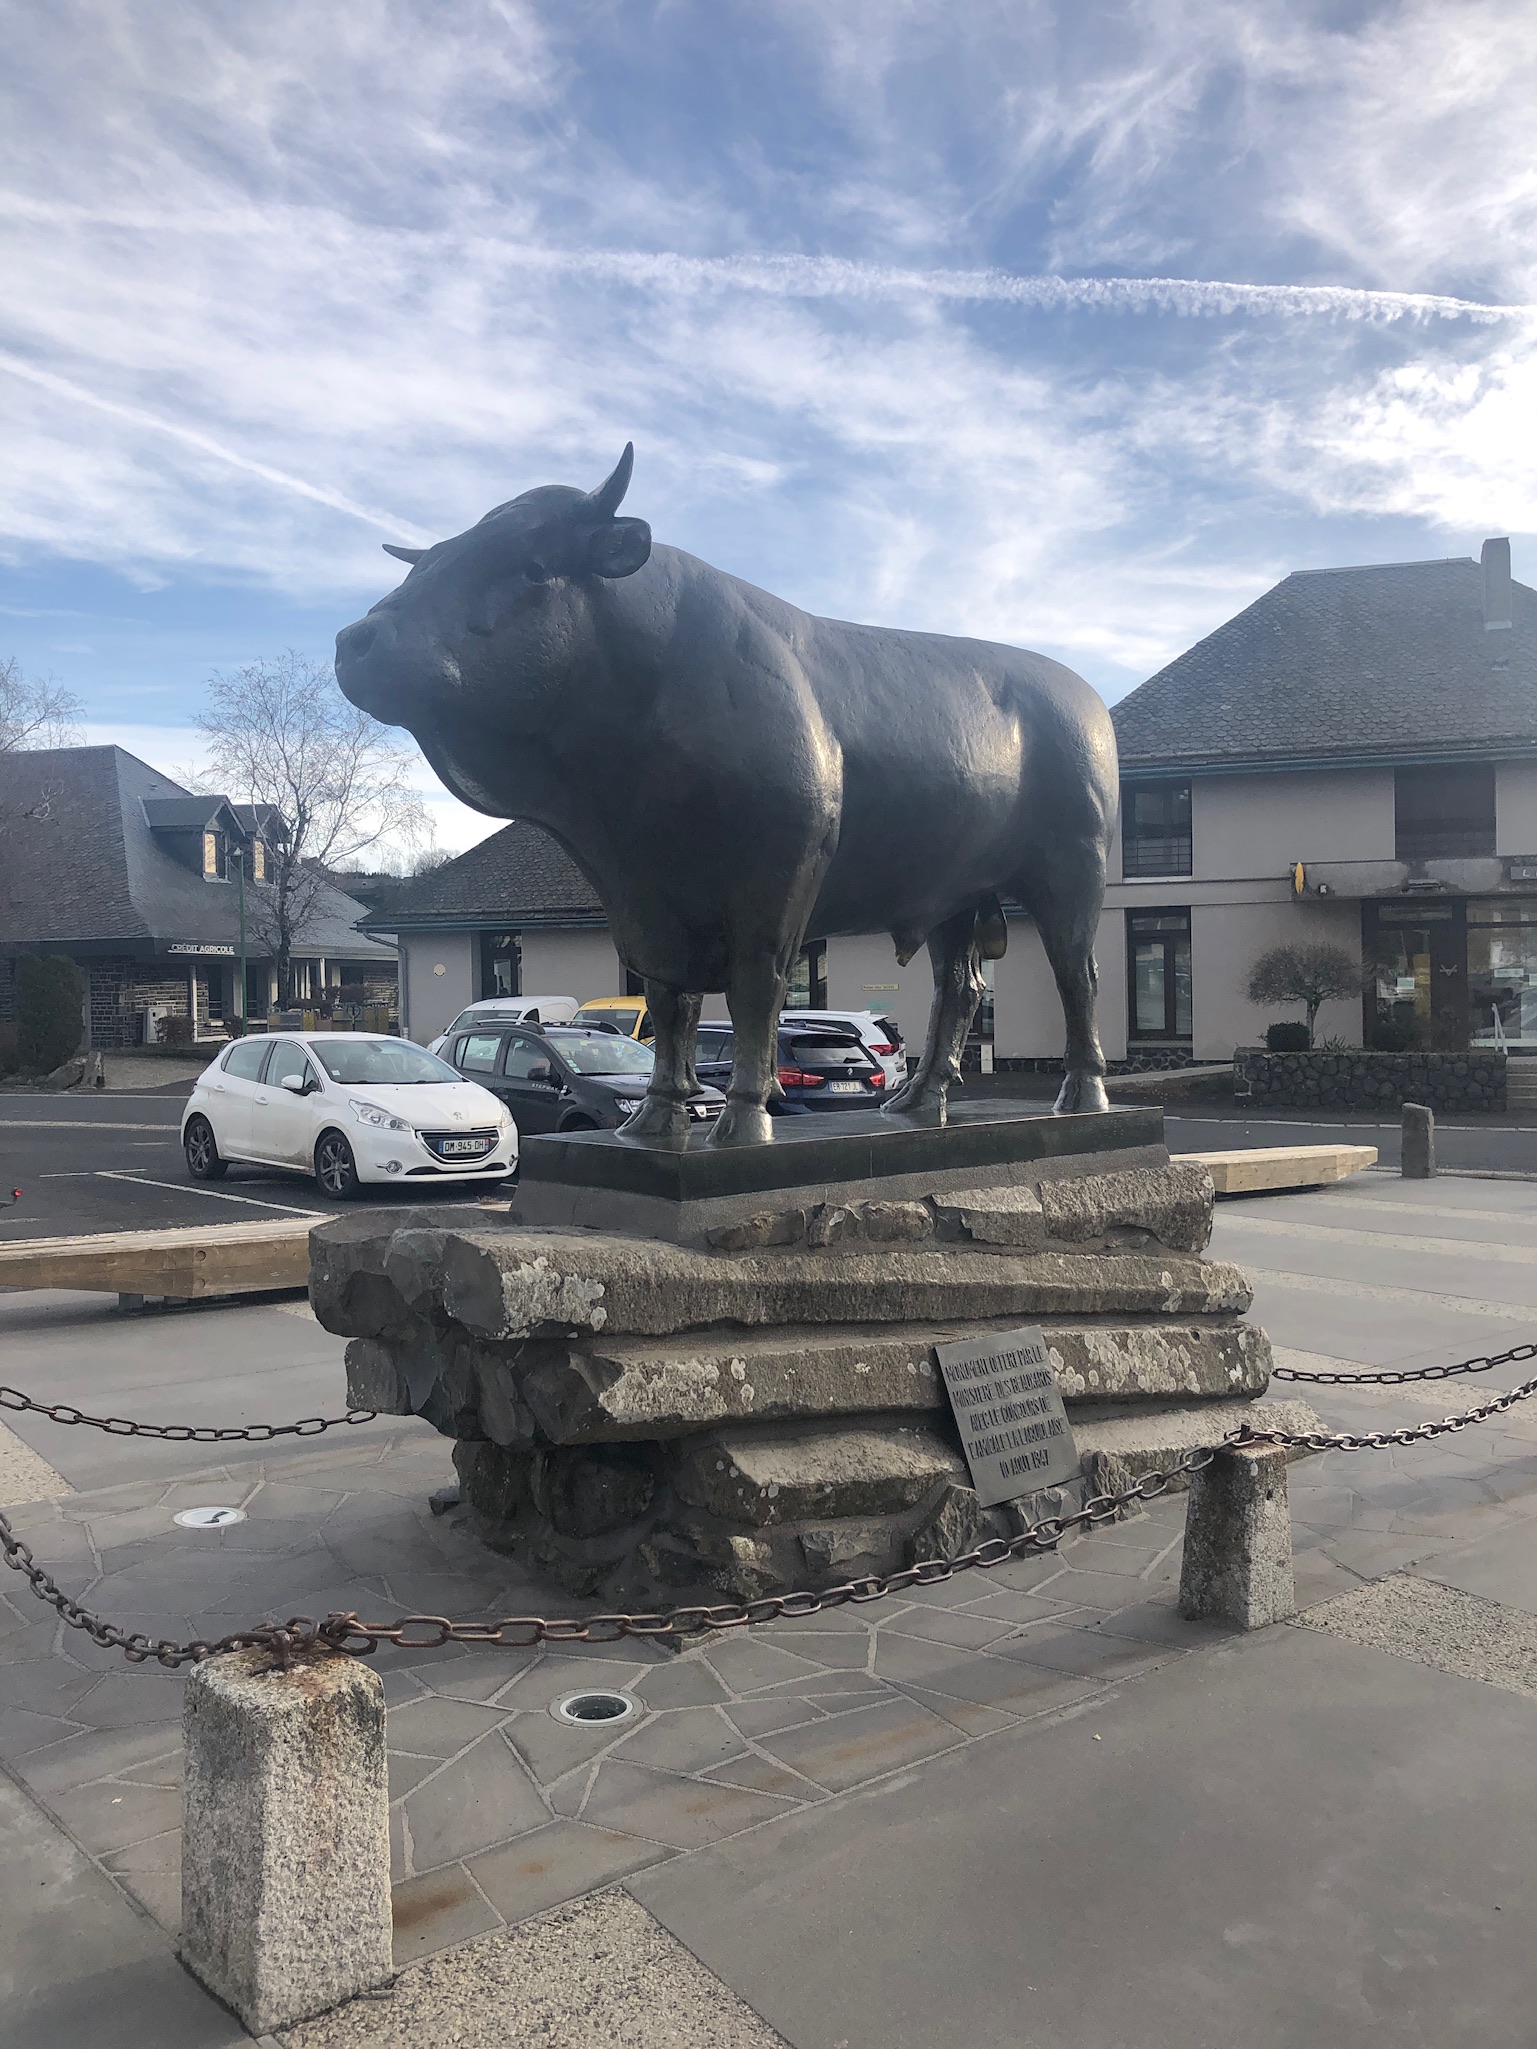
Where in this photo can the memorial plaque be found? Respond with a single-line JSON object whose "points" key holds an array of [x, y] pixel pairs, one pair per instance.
{"points": [[1014, 1428]]}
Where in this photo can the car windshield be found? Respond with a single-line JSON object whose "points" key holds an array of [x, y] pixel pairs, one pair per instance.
{"points": [[602, 1053], [476, 1014], [391, 1063]]}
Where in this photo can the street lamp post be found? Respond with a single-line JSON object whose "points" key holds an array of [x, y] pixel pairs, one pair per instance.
{"points": [[240, 913]]}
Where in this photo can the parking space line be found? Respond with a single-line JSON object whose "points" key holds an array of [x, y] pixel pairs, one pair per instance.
{"points": [[80, 1124], [291, 1209]]}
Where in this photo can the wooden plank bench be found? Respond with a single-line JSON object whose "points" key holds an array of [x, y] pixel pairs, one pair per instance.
{"points": [[179, 1265], [1255, 1170]]}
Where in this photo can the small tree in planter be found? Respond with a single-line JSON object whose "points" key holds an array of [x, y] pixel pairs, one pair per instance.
{"points": [[1309, 975]]}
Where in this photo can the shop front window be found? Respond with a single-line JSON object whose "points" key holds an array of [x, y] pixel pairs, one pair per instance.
{"points": [[1158, 960], [1418, 1001], [500, 965], [808, 978], [1502, 974]]}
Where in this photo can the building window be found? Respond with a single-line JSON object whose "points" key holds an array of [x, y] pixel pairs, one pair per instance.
{"points": [[256, 871], [1158, 973], [808, 978], [501, 964], [1443, 814], [1155, 829], [215, 856]]}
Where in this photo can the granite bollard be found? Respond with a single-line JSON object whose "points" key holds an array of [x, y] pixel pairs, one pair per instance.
{"points": [[285, 1886], [1417, 1152], [1238, 1540]]}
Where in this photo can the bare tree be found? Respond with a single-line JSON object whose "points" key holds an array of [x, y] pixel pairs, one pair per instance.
{"points": [[1309, 975], [280, 733], [36, 712]]}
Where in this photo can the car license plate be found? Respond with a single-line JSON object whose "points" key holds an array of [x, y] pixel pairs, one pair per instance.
{"points": [[464, 1145], [846, 1088]]}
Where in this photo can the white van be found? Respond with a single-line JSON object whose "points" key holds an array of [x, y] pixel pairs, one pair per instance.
{"points": [[532, 1010]]}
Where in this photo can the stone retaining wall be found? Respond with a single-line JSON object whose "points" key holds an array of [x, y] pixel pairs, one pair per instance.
{"points": [[1368, 1081]]}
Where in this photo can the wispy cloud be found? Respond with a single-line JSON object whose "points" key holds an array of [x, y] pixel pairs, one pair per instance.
{"points": [[1069, 327]]}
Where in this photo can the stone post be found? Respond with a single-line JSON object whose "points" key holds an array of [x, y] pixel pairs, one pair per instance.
{"points": [[1238, 1540], [285, 1884], [1417, 1152]]}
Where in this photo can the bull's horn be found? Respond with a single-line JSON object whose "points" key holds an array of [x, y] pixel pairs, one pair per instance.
{"points": [[606, 499], [403, 554]]}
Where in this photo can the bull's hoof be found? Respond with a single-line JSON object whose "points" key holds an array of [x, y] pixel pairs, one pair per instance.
{"points": [[657, 1122], [1080, 1091], [919, 1102], [742, 1124]]}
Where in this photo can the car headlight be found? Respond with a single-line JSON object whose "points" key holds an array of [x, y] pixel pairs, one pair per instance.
{"points": [[370, 1113]]}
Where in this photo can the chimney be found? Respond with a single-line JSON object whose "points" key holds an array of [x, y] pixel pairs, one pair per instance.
{"points": [[1496, 561]]}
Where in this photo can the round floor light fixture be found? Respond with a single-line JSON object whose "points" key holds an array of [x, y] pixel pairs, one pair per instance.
{"points": [[208, 1518], [595, 1706]]}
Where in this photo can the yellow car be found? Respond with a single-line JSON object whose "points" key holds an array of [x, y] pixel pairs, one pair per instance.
{"points": [[624, 1014]]}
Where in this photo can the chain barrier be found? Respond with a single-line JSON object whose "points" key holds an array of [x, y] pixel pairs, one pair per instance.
{"points": [[347, 1632], [179, 1433], [1401, 1376]]}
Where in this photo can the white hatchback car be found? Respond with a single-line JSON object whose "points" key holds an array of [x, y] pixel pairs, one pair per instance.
{"points": [[347, 1107]]}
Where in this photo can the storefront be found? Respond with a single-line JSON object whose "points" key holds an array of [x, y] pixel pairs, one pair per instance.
{"points": [[1450, 973]]}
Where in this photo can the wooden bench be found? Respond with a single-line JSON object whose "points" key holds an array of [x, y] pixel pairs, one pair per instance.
{"points": [[1253, 1170], [180, 1265]]}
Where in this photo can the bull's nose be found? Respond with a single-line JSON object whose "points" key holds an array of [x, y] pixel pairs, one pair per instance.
{"points": [[353, 642]]}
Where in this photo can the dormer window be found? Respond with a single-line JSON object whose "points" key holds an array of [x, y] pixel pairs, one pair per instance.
{"points": [[258, 860], [215, 856]]}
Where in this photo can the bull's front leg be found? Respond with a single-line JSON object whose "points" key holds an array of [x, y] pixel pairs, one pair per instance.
{"points": [[755, 998], [663, 1117]]}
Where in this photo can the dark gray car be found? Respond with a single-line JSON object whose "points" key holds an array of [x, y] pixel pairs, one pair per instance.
{"points": [[564, 1078]]}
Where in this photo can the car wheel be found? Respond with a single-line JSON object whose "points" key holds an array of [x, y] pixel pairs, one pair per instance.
{"points": [[335, 1168], [580, 1124], [202, 1150]]}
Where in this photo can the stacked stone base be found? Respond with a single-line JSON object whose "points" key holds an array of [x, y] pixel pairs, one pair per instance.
{"points": [[642, 1421]]}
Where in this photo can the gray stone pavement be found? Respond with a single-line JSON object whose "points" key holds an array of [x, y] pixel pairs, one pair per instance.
{"points": [[876, 1794]]}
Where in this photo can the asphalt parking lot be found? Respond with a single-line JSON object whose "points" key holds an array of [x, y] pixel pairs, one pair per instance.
{"points": [[88, 1163]]}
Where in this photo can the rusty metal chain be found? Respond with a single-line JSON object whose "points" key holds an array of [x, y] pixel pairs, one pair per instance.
{"points": [[1401, 1376], [347, 1632], [179, 1433]]}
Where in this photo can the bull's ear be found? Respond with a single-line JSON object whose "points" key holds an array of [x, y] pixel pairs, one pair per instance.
{"points": [[412, 555], [619, 548]]}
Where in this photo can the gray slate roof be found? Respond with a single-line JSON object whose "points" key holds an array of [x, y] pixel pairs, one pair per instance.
{"points": [[79, 863], [1380, 663], [519, 876]]}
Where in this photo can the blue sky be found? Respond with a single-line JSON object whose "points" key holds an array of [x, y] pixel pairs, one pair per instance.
{"points": [[1070, 327]]}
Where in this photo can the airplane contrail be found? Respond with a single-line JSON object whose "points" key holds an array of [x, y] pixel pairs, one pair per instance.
{"points": [[822, 277], [190, 437]]}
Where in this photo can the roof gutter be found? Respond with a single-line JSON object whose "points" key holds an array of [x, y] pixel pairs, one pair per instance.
{"points": [[1501, 750]]}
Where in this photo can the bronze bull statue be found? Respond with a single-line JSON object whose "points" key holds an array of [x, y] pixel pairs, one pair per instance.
{"points": [[735, 776]]}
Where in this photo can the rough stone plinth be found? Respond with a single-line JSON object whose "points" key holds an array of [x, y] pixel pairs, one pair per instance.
{"points": [[523, 1283], [1417, 1155], [285, 1834], [755, 1404], [594, 1390], [1238, 1541]]}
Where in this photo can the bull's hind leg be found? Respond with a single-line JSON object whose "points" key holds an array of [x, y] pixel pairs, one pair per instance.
{"points": [[755, 996], [1064, 894], [956, 956], [663, 1116]]}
